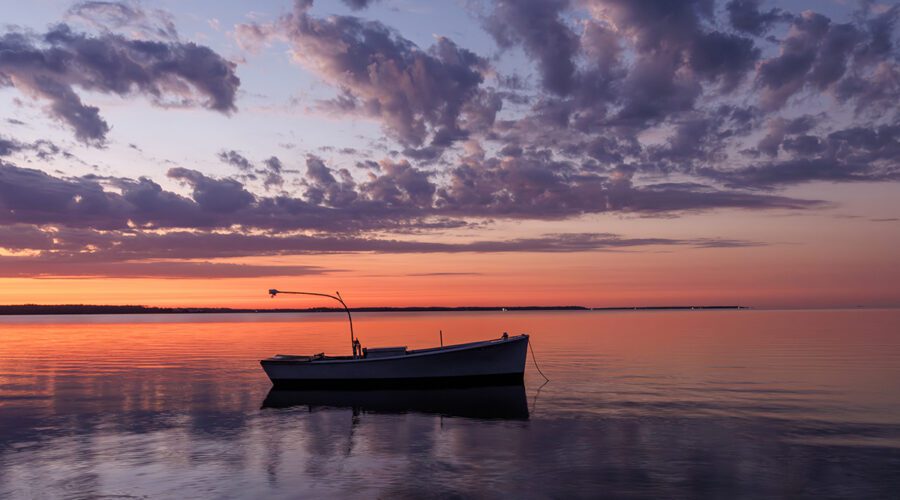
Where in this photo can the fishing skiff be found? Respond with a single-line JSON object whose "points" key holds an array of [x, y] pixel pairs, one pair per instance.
{"points": [[487, 362]]}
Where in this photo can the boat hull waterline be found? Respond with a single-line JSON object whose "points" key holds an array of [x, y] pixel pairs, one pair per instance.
{"points": [[500, 361]]}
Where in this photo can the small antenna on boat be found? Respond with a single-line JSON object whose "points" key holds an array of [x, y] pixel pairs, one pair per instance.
{"points": [[353, 342]]}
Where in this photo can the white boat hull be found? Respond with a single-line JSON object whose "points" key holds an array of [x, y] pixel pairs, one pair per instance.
{"points": [[477, 363]]}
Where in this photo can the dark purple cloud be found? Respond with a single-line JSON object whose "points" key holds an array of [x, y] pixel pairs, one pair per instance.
{"points": [[130, 15], [746, 16], [850, 155], [804, 59], [10, 146], [419, 95], [646, 107], [273, 170], [36, 267], [797, 171], [675, 53], [214, 195], [538, 27], [634, 65], [35, 197], [359, 4], [235, 159], [111, 247], [182, 254], [706, 93], [779, 128], [117, 218], [698, 73], [856, 62], [401, 185], [658, 25], [52, 66], [19, 237], [531, 186], [723, 57], [323, 188]]}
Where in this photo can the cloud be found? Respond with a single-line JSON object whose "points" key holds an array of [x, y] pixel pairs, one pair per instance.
{"points": [[858, 154], [323, 188], [359, 4], [659, 88], [51, 66], [78, 225], [10, 146], [852, 61], [235, 159], [19, 267], [650, 108], [398, 197], [272, 169], [214, 195], [19, 237], [798, 171], [273, 172], [531, 186], [146, 204], [537, 25], [35, 197], [72, 253], [633, 67], [779, 128], [745, 15], [419, 95], [723, 57], [125, 15], [400, 185], [675, 53], [646, 107]]}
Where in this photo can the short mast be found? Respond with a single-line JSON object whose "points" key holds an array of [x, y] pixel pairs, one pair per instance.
{"points": [[354, 344]]}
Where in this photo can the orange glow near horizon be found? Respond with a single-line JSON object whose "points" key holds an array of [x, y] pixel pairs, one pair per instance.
{"points": [[800, 261], [758, 277], [793, 260]]}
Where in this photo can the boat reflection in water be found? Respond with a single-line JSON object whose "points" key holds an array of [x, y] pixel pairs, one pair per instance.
{"points": [[507, 402]]}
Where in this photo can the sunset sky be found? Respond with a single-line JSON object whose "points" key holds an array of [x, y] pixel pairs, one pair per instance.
{"points": [[592, 152]]}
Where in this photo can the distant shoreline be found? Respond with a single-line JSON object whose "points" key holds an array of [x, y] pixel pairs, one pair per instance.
{"points": [[35, 309]]}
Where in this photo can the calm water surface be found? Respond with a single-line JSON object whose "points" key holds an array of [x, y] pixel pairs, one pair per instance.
{"points": [[642, 404]]}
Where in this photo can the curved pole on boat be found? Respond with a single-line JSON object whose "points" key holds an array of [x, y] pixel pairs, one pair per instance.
{"points": [[273, 292]]}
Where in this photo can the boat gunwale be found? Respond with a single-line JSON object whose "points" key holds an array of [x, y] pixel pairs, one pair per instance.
{"points": [[429, 351], [365, 384]]}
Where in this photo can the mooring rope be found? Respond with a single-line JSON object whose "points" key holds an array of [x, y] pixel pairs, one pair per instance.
{"points": [[533, 358]]}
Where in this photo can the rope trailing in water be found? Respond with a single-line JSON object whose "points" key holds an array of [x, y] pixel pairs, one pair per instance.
{"points": [[533, 358]]}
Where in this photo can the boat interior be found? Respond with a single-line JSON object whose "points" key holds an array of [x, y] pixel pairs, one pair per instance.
{"points": [[384, 352]]}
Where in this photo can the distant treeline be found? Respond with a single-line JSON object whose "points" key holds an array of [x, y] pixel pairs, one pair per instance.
{"points": [[100, 309], [665, 308]]}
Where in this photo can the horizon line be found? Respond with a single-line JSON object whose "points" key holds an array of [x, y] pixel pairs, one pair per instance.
{"points": [[38, 309]]}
